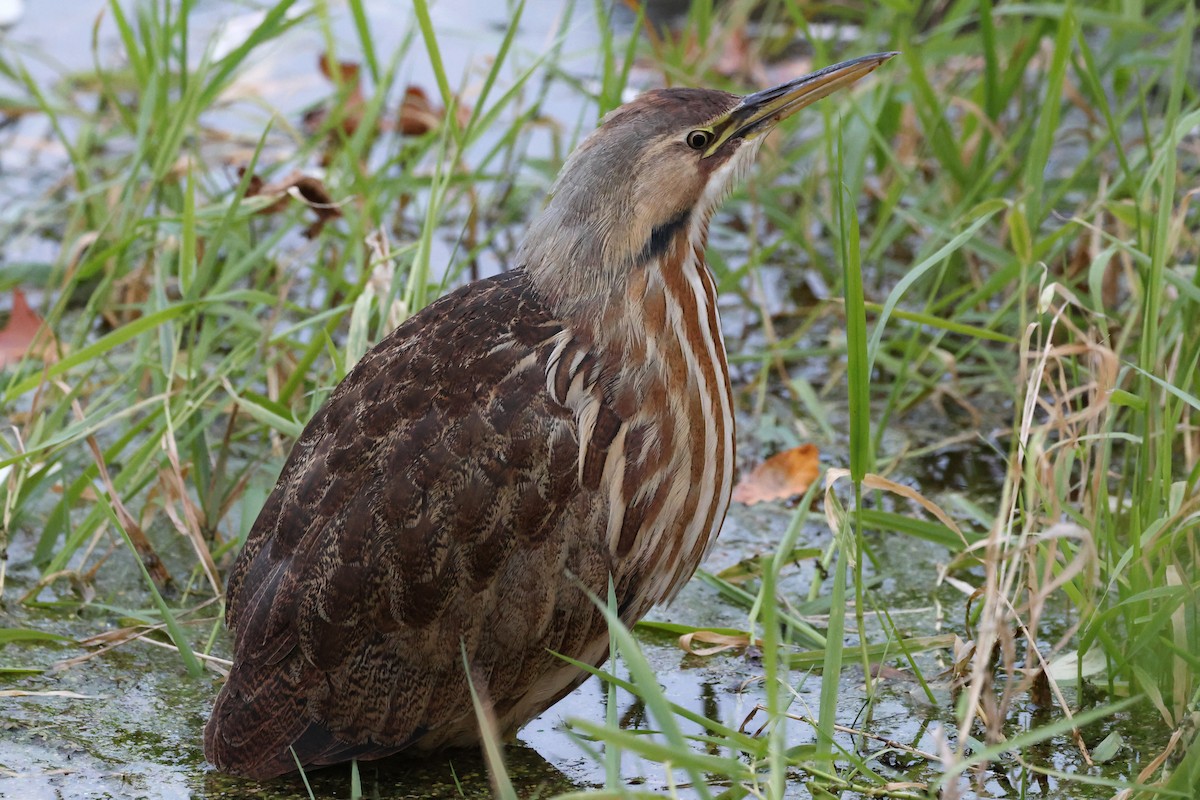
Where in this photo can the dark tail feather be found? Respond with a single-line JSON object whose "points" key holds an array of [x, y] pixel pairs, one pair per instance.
{"points": [[242, 739], [251, 739]]}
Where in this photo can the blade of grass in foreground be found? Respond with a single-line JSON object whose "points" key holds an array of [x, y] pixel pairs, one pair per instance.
{"points": [[612, 751], [860, 460], [490, 736], [776, 661], [731, 738], [174, 629]]}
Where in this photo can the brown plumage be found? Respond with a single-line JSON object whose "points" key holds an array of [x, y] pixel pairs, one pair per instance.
{"points": [[499, 456]]}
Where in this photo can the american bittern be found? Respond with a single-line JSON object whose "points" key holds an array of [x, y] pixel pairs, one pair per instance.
{"points": [[501, 455]]}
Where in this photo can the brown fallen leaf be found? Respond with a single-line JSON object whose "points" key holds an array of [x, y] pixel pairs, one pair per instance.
{"points": [[418, 115], [781, 476], [740, 60], [25, 334], [346, 74], [889, 673]]}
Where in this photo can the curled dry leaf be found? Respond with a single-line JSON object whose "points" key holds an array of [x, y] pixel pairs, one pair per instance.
{"points": [[879, 483], [781, 476], [25, 334], [720, 642], [131, 292], [305, 188]]}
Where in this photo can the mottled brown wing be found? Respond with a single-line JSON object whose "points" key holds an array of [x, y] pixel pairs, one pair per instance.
{"points": [[422, 515]]}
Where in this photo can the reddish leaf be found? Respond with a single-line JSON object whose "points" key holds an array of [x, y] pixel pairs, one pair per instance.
{"points": [[25, 334], [347, 71], [740, 60], [781, 476]]}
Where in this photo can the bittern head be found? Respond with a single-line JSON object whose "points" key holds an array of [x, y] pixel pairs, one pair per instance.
{"points": [[656, 166]]}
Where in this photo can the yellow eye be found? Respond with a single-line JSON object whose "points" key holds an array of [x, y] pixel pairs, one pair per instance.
{"points": [[699, 139]]}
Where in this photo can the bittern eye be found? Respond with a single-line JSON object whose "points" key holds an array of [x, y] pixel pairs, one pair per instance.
{"points": [[699, 139]]}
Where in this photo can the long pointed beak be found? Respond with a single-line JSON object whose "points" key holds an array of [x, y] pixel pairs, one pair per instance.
{"points": [[759, 112]]}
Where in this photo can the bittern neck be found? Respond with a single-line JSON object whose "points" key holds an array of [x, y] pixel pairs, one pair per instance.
{"points": [[648, 381], [587, 279], [666, 294]]}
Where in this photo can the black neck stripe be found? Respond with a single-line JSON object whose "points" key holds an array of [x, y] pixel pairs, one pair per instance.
{"points": [[661, 237]]}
